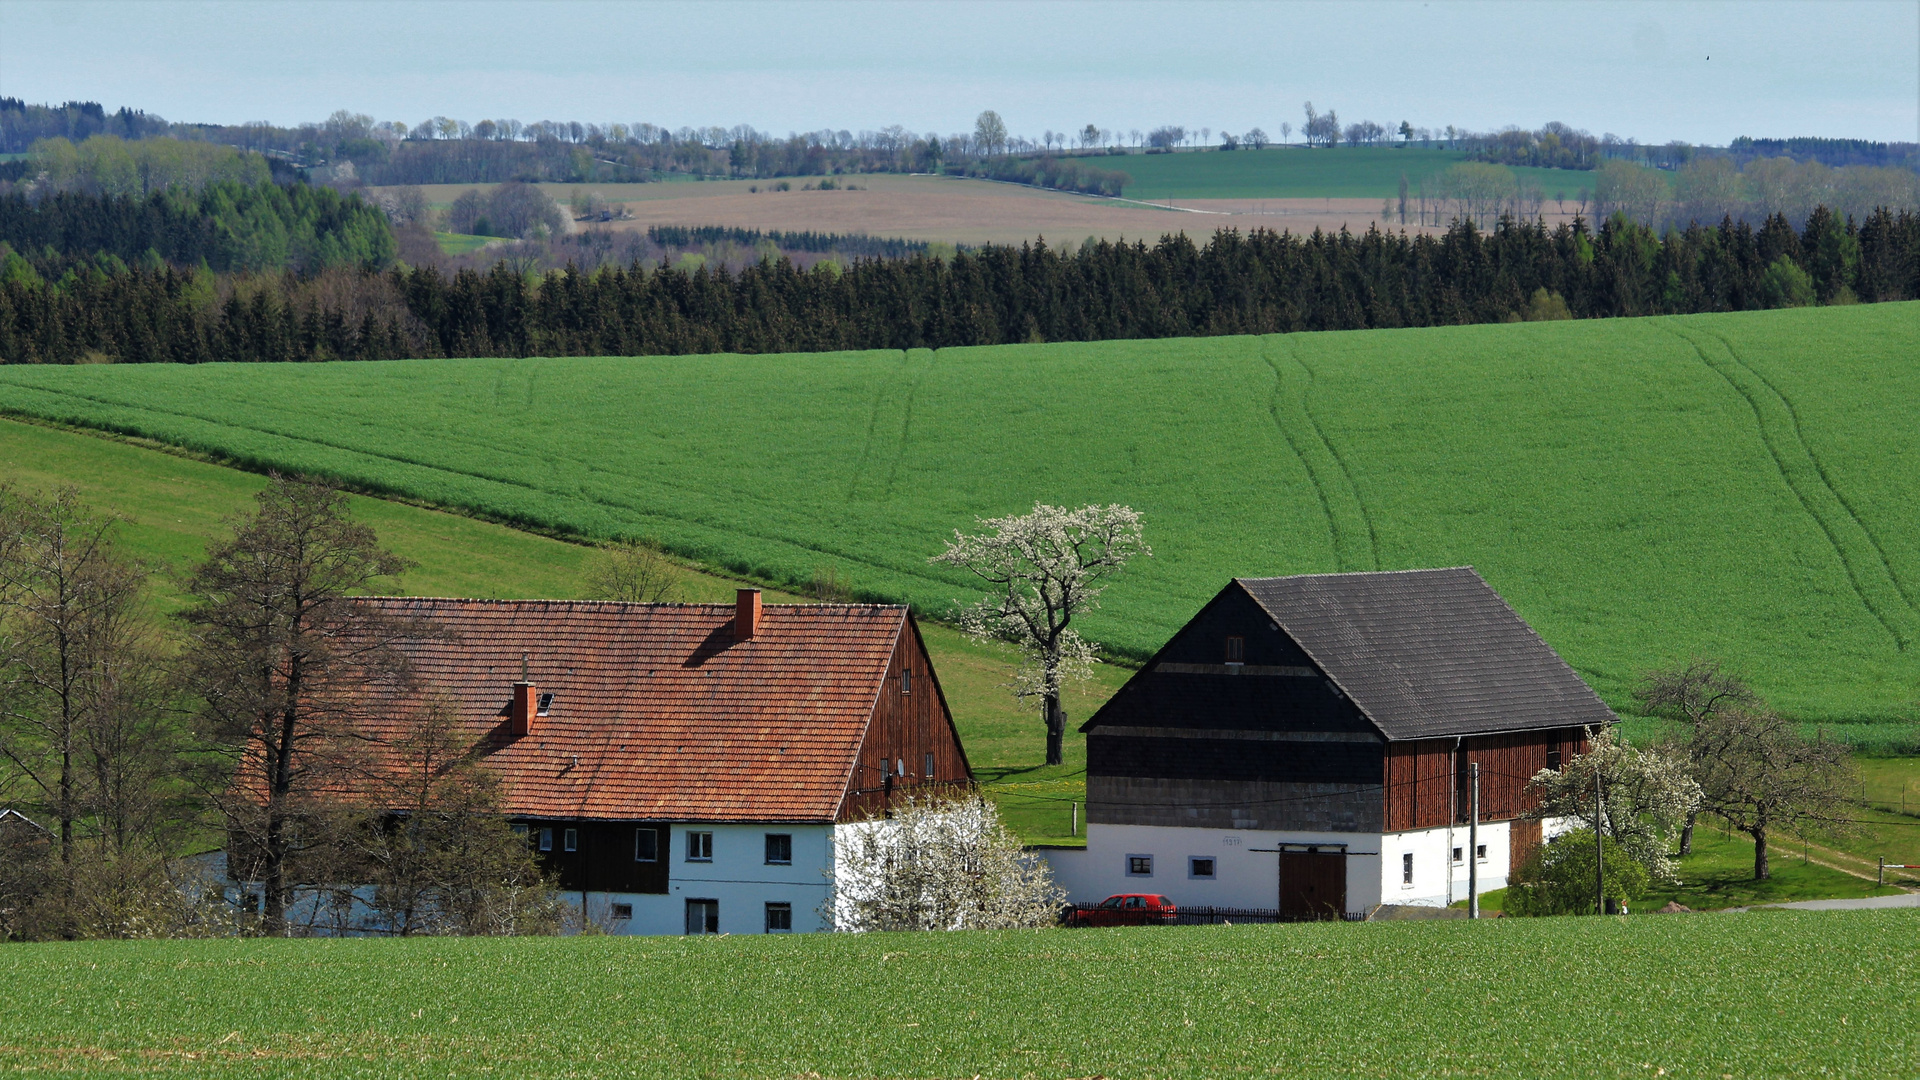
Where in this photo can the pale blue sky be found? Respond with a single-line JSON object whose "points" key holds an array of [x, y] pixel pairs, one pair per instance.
{"points": [[1703, 72]]}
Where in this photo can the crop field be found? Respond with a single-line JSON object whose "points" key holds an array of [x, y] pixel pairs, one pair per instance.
{"points": [[1774, 994], [1297, 173], [1740, 486]]}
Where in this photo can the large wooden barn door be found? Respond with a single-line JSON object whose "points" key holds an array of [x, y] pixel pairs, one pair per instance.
{"points": [[1313, 884]]}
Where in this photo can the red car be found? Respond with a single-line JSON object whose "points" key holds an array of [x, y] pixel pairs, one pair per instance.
{"points": [[1126, 909]]}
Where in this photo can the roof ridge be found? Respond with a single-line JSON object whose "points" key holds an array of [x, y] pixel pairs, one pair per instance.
{"points": [[1361, 573], [728, 604]]}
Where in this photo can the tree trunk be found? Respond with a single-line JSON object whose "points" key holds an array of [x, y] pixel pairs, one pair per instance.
{"points": [[1686, 834], [1760, 869], [1056, 728], [274, 909]]}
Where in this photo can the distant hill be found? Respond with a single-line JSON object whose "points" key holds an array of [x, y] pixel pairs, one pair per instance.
{"points": [[1643, 490]]}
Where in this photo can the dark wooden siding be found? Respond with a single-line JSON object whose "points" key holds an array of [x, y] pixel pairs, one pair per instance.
{"points": [[604, 861], [1428, 781], [907, 725]]}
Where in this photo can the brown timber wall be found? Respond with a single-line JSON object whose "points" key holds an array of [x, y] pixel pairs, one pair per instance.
{"points": [[910, 721], [1428, 782]]}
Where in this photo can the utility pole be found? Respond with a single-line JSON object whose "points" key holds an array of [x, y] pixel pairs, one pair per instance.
{"points": [[1473, 844], [1599, 856]]}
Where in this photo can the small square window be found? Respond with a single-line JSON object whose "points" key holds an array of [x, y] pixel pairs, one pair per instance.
{"points": [[699, 847], [1236, 649], [1200, 867], [779, 849], [1480, 853], [1406, 868], [570, 840], [622, 912], [546, 839], [927, 773], [646, 845], [1139, 866], [546, 705], [1459, 854], [779, 918]]}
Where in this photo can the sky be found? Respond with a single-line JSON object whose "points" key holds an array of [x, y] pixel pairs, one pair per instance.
{"points": [[1655, 71]]}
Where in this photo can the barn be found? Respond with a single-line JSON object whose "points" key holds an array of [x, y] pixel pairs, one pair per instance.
{"points": [[682, 768], [1305, 744]]}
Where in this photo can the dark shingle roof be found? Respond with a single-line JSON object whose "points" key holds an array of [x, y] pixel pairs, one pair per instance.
{"points": [[1429, 653]]}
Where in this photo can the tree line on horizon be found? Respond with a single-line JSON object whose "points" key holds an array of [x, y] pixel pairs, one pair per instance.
{"points": [[1254, 283]]}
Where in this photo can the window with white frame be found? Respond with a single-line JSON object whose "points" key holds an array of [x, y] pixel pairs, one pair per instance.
{"points": [[699, 847], [646, 845], [1459, 855], [622, 912], [570, 840], [1406, 870], [1480, 853], [546, 839], [1139, 866]]}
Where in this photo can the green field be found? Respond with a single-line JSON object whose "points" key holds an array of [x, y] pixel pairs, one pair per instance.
{"points": [[1298, 173], [171, 506], [1641, 490], [1776, 994], [461, 243]]}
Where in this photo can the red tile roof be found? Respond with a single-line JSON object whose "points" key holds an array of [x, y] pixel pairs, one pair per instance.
{"points": [[659, 713]]}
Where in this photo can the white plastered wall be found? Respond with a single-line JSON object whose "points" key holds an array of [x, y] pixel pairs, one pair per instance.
{"points": [[1247, 877], [738, 877]]}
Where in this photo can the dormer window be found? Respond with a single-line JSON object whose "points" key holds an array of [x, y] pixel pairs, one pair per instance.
{"points": [[1236, 650], [546, 705]]}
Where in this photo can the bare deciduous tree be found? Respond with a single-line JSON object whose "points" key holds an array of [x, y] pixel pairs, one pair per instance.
{"points": [[81, 696], [1045, 567], [990, 132], [1758, 773], [1691, 694], [633, 571], [284, 664], [938, 864], [433, 844]]}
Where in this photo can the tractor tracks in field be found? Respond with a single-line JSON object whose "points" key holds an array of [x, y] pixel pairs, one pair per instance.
{"points": [[1860, 552], [1356, 543], [889, 428]]}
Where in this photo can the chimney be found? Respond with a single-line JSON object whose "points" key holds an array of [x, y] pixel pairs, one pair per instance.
{"points": [[746, 614], [520, 714]]}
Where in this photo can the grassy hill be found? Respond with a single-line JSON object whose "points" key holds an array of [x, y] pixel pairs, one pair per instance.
{"points": [[1758, 995], [1297, 173], [170, 506], [1641, 490]]}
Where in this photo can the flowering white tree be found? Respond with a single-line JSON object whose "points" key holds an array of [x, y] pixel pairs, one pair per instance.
{"points": [[938, 864], [1045, 568], [1647, 797]]}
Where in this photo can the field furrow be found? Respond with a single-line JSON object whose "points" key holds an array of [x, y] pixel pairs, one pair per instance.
{"points": [[1355, 544], [1867, 569]]}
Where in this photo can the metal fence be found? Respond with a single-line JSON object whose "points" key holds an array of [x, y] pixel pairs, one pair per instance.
{"points": [[1215, 916]]}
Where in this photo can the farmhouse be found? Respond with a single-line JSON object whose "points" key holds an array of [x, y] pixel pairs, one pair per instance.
{"points": [[683, 767], [1306, 743]]}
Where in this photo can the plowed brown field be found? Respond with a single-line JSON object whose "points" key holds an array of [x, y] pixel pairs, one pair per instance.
{"points": [[955, 210]]}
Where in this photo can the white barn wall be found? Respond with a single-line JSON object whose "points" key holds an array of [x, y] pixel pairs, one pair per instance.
{"points": [[1249, 878]]}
